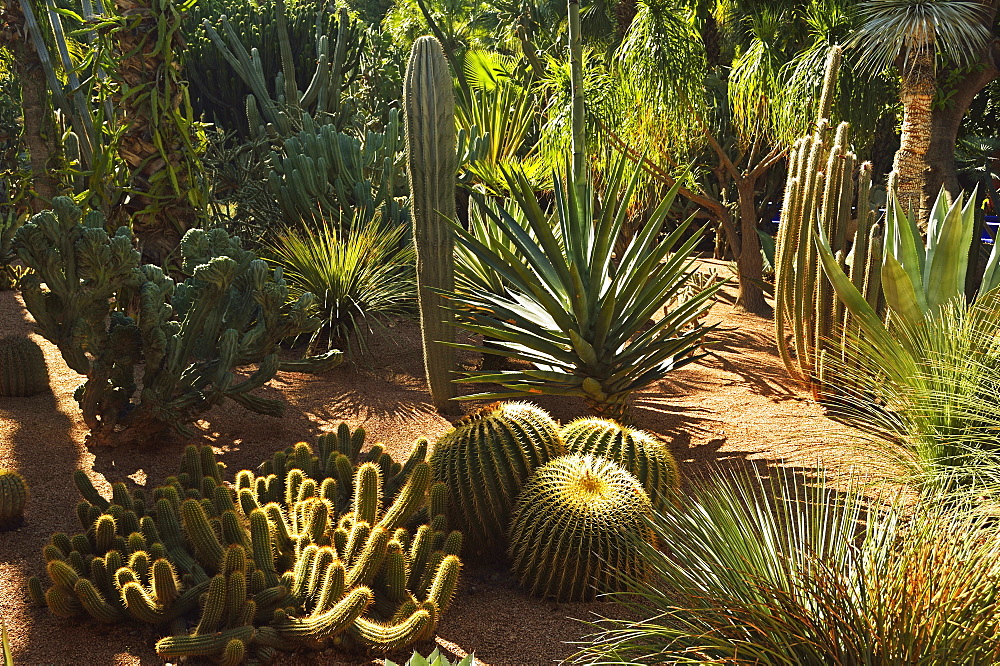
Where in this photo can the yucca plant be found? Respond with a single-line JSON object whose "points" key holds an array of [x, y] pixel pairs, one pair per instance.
{"points": [[796, 574], [573, 309], [357, 276]]}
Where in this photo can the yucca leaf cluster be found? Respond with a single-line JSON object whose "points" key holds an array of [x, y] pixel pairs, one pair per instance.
{"points": [[110, 316], [311, 550], [575, 309]]}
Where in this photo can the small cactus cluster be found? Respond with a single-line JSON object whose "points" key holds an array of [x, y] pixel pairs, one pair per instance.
{"points": [[485, 460], [22, 367], [13, 497], [565, 505], [308, 551]]}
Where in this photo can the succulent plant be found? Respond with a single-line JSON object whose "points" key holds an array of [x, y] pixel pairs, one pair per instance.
{"points": [[271, 562], [575, 528], [22, 367], [485, 460], [187, 337], [642, 454], [432, 166], [13, 497], [435, 658]]}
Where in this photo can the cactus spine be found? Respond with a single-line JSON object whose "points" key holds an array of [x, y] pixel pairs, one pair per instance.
{"points": [[13, 497], [22, 368], [644, 456], [822, 185], [571, 536], [315, 560], [485, 460], [432, 166]]}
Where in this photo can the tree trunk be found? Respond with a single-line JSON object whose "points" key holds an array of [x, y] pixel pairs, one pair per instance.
{"points": [[749, 262], [945, 123], [917, 88]]}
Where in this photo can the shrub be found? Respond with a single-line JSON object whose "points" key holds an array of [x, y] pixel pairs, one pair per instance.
{"points": [[809, 577]]}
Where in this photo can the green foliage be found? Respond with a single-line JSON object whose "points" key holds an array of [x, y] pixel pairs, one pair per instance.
{"points": [[8, 656], [22, 367], [358, 276], [10, 274], [13, 497], [108, 315], [316, 555], [576, 309], [485, 460], [577, 527], [640, 453], [787, 571], [431, 142]]}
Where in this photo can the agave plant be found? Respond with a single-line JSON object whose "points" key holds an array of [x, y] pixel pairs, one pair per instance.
{"points": [[356, 276], [573, 309], [789, 573]]}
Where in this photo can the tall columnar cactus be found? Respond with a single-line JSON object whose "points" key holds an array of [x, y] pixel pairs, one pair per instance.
{"points": [[109, 316], [22, 367], [824, 183], [572, 534], [13, 497], [271, 562], [485, 460], [432, 166], [642, 454]]}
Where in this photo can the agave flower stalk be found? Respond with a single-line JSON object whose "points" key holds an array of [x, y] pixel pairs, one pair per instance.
{"points": [[574, 309]]}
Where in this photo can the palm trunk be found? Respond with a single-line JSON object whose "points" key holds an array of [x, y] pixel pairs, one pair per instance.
{"points": [[749, 262], [917, 88]]}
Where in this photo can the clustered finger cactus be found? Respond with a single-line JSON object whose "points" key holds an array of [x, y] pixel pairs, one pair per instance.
{"points": [[306, 552], [22, 367], [109, 316], [13, 497], [575, 528], [485, 460], [640, 453]]}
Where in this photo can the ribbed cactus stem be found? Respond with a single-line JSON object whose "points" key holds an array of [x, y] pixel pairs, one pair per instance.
{"points": [[201, 645], [22, 367], [13, 498], [432, 167]]}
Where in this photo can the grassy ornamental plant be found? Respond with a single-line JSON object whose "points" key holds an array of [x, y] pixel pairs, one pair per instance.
{"points": [[308, 552], [573, 309], [795, 572]]}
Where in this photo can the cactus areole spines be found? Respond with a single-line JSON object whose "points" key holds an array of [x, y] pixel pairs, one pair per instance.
{"points": [[431, 167]]}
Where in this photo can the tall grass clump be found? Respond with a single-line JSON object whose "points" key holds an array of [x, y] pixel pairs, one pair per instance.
{"points": [[359, 276], [925, 397], [809, 576]]}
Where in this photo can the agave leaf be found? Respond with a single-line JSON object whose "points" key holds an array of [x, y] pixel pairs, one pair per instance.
{"points": [[948, 251], [900, 294], [904, 243]]}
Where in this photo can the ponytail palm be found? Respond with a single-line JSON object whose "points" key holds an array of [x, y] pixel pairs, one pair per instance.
{"points": [[579, 314]]}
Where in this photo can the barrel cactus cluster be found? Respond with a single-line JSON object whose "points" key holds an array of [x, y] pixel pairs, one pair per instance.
{"points": [[22, 367], [566, 506], [317, 548], [13, 497]]}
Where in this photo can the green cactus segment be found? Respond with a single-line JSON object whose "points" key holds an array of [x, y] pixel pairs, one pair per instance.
{"points": [[199, 531], [184, 349], [388, 637], [445, 582], [330, 622], [165, 583], [432, 166], [94, 603], [485, 460], [22, 368], [642, 454], [13, 498], [202, 646], [572, 534]]}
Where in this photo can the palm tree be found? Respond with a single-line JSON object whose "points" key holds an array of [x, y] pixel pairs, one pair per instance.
{"points": [[914, 36]]}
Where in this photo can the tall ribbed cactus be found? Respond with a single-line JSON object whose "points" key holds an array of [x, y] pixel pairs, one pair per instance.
{"points": [[13, 497], [571, 536], [432, 165], [22, 367], [268, 563], [822, 185], [485, 460], [644, 456]]}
